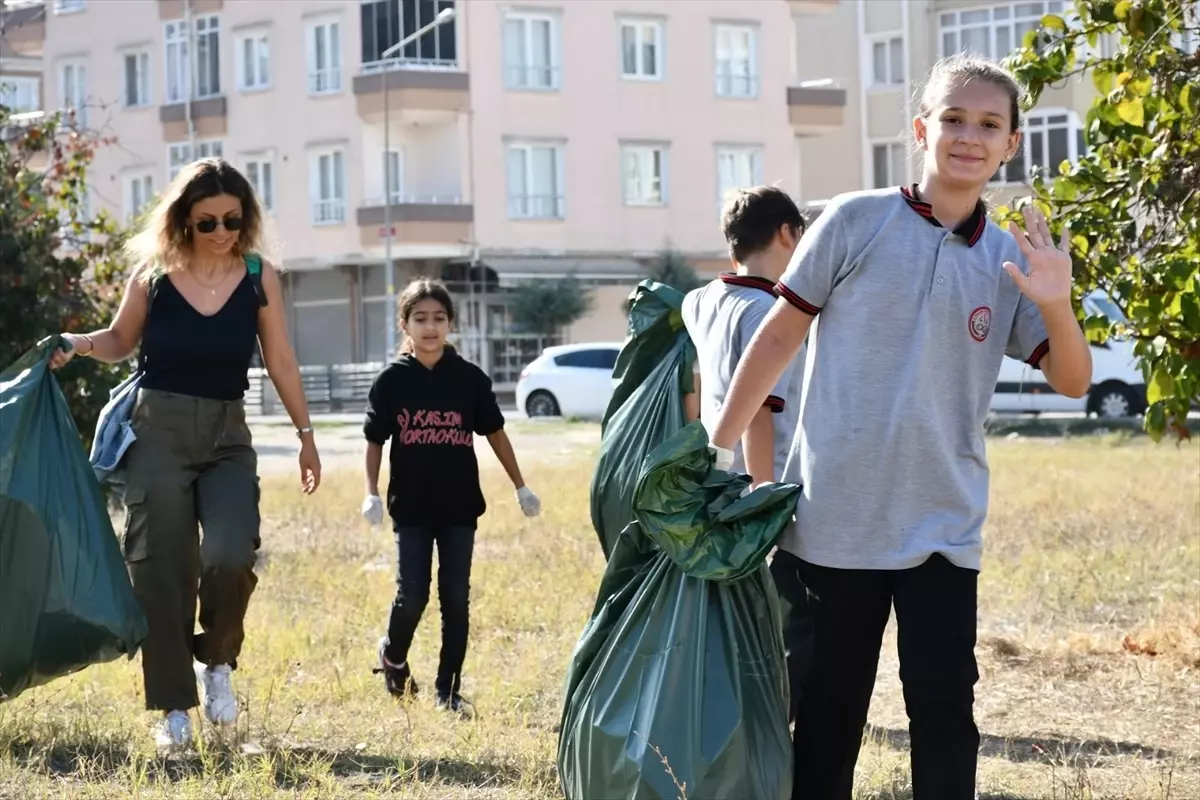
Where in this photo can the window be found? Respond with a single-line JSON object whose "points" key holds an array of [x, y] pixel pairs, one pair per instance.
{"points": [[137, 79], [737, 61], [531, 51], [889, 167], [138, 194], [1049, 137], [393, 170], [254, 62], [260, 171], [386, 22], [180, 155], [73, 90], [996, 31], [642, 49], [324, 58], [208, 57], [605, 358], [67, 6], [887, 61], [535, 181], [327, 186], [175, 44], [737, 167], [645, 169], [20, 94]]}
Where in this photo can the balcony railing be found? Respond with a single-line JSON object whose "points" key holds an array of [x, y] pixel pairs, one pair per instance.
{"points": [[328, 212], [405, 198], [422, 64]]}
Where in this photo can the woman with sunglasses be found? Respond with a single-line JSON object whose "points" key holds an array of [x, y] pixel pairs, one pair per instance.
{"points": [[199, 302]]}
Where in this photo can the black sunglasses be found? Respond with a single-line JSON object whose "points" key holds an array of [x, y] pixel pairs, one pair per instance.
{"points": [[210, 225]]}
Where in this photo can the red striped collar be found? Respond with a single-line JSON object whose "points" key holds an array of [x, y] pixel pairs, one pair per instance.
{"points": [[748, 282], [971, 228]]}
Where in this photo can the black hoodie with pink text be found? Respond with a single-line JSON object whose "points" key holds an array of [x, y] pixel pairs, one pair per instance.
{"points": [[431, 416]]}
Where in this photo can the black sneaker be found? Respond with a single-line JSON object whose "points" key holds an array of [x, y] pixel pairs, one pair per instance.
{"points": [[398, 679], [455, 704]]}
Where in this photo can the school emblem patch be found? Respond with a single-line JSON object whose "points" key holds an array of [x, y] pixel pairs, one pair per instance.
{"points": [[980, 323]]}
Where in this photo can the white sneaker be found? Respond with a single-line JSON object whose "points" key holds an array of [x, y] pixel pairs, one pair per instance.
{"points": [[220, 703], [173, 730]]}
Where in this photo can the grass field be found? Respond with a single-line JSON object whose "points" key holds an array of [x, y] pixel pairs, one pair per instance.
{"points": [[1089, 649]]}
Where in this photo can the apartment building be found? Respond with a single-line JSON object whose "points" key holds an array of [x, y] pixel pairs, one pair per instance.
{"points": [[521, 140]]}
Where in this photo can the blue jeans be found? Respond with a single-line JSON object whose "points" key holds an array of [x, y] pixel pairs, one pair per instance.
{"points": [[455, 545]]}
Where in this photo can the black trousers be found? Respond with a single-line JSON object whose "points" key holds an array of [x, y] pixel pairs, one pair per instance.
{"points": [[936, 627], [455, 545]]}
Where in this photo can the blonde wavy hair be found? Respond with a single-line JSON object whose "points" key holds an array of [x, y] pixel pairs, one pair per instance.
{"points": [[165, 237]]}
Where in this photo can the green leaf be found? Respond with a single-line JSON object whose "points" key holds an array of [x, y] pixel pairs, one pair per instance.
{"points": [[1140, 86], [1054, 22], [1103, 79], [1122, 9], [1161, 386], [1185, 100], [1132, 112]]}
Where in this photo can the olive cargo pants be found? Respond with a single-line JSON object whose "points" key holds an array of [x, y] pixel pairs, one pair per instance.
{"points": [[191, 467]]}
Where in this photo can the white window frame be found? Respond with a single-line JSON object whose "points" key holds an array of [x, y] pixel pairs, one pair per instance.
{"points": [[179, 154], [893, 47], [327, 210], [527, 206], [897, 162], [259, 169], [324, 79], [1001, 17], [729, 83], [521, 76], [67, 95], [141, 62], [642, 29], [175, 34], [14, 88], [1037, 122], [641, 183], [211, 25], [139, 192], [753, 152], [253, 75]]}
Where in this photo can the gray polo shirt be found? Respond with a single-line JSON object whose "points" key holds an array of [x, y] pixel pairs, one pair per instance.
{"points": [[721, 318], [913, 321]]}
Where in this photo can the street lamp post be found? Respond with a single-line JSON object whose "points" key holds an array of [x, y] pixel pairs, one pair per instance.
{"points": [[444, 16]]}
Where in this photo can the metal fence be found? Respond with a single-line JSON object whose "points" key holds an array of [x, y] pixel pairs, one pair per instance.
{"points": [[343, 388]]}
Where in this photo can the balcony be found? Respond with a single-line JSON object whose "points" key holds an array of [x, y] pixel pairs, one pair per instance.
{"points": [[174, 9], [420, 218], [208, 115], [811, 7], [24, 30], [816, 107], [423, 84]]}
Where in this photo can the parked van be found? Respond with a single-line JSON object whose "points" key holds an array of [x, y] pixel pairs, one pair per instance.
{"points": [[1118, 388]]}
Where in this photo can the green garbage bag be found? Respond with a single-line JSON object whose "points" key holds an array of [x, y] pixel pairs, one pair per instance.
{"points": [[65, 598], [678, 686], [652, 374]]}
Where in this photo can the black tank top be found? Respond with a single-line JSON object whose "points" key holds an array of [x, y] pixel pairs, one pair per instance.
{"points": [[185, 352]]}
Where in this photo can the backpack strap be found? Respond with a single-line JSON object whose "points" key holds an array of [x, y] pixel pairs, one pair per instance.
{"points": [[254, 268]]}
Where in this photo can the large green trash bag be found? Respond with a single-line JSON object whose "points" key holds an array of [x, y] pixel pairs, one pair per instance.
{"points": [[65, 597], [678, 686], [651, 376]]}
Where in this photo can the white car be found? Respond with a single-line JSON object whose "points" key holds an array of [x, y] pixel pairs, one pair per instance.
{"points": [[1118, 388], [570, 380]]}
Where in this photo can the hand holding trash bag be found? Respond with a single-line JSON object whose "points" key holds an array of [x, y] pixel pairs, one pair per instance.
{"points": [[65, 598]]}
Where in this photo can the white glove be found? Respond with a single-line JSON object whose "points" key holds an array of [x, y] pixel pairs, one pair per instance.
{"points": [[529, 502], [372, 509], [724, 460]]}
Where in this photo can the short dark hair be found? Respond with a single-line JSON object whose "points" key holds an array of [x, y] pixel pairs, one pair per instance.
{"points": [[752, 217]]}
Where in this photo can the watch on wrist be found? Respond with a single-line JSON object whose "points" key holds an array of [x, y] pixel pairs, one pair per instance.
{"points": [[301, 431]]}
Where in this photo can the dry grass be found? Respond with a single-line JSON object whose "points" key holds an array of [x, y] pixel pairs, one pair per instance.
{"points": [[1090, 542]]}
